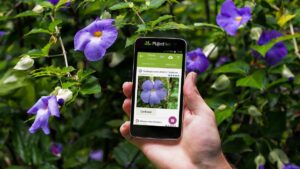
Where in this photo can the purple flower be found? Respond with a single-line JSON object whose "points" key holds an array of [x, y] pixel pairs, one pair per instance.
{"points": [[53, 2], [261, 167], [153, 92], [94, 39], [56, 149], [222, 60], [290, 166], [196, 61], [96, 155], [277, 52], [231, 18], [2, 33], [45, 107]]}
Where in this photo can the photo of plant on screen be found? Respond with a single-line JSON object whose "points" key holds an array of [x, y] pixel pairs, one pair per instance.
{"points": [[157, 92]]}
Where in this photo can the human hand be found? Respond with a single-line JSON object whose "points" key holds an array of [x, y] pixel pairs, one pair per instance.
{"points": [[199, 146]]}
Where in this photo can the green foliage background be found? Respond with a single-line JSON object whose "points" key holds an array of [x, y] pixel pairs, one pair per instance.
{"points": [[91, 120]]}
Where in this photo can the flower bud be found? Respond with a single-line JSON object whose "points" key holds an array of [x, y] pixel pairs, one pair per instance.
{"points": [[286, 72], [131, 4], [38, 9], [211, 49], [222, 82], [25, 63], [64, 94], [253, 111], [148, 3], [255, 33], [259, 160], [105, 15]]}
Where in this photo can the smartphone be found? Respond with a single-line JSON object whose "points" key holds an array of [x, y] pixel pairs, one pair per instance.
{"points": [[157, 97]]}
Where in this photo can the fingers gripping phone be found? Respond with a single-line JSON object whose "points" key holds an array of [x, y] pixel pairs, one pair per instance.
{"points": [[157, 97]]}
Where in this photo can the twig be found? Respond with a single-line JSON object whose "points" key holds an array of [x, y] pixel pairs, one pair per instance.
{"points": [[137, 13], [133, 160], [10, 11], [207, 11], [294, 41], [61, 43]]}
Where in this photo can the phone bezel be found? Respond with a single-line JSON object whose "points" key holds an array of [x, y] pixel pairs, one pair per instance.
{"points": [[157, 132]]}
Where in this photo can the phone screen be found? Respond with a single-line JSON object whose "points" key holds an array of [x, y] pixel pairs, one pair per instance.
{"points": [[158, 88]]}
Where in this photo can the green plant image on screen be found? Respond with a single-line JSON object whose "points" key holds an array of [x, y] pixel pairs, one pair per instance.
{"points": [[169, 92]]}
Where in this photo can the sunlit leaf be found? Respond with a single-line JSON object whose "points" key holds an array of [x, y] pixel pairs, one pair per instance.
{"points": [[255, 80], [238, 67]]}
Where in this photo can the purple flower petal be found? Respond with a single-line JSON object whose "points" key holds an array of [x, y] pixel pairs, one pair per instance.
{"points": [[147, 85], [290, 166], [56, 149], [261, 167], [196, 61], [158, 85], [276, 53], [81, 39], [53, 106], [154, 98], [95, 38], [222, 60], [97, 155], [41, 121], [94, 51], [161, 93], [53, 2], [145, 96], [2, 33], [40, 104], [231, 18]]}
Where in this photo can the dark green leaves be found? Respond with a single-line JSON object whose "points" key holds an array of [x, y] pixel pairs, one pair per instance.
{"points": [[238, 67], [255, 80], [222, 115]]}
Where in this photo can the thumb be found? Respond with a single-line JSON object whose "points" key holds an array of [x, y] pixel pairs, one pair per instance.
{"points": [[192, 98], [125, 132]]}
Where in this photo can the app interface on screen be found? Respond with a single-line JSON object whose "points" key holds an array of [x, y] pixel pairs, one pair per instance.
{"points": [[157, 95]]}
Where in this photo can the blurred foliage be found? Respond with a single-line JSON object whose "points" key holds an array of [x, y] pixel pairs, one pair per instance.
{"points": [[257, 113]]}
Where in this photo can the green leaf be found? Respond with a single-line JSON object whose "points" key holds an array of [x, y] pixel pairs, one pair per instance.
{"points": [[207, 25], [238, 67], [54, 24], [247, 139], [160, 19], [284, 19], [52, 71], [26, 14], [124, 153], [131, 40], [256, 80], [153, 5], [118, 6], [38, 30], [277, 82], [115, 123], [83, 74], [222, 115], [171, 25], [94, 89], [61, 3], [263, 49], [297, 80]]}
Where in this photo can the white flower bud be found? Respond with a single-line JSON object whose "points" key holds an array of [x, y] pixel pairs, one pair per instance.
{"points": [[10, 79], [148, 3], [255, 33], [211, 49], [64, 94], [260, 160], [131, 4], [25, 63], [38, 9], [253, 111], [221, 83], [286, 72]]}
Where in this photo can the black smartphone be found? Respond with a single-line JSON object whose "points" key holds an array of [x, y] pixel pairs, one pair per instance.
{"points": [[157, 96]]}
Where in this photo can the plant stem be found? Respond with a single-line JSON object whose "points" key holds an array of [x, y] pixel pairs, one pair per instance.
{"points": [[137, 13], [294, 41], [61, 43], [207, 11]]}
